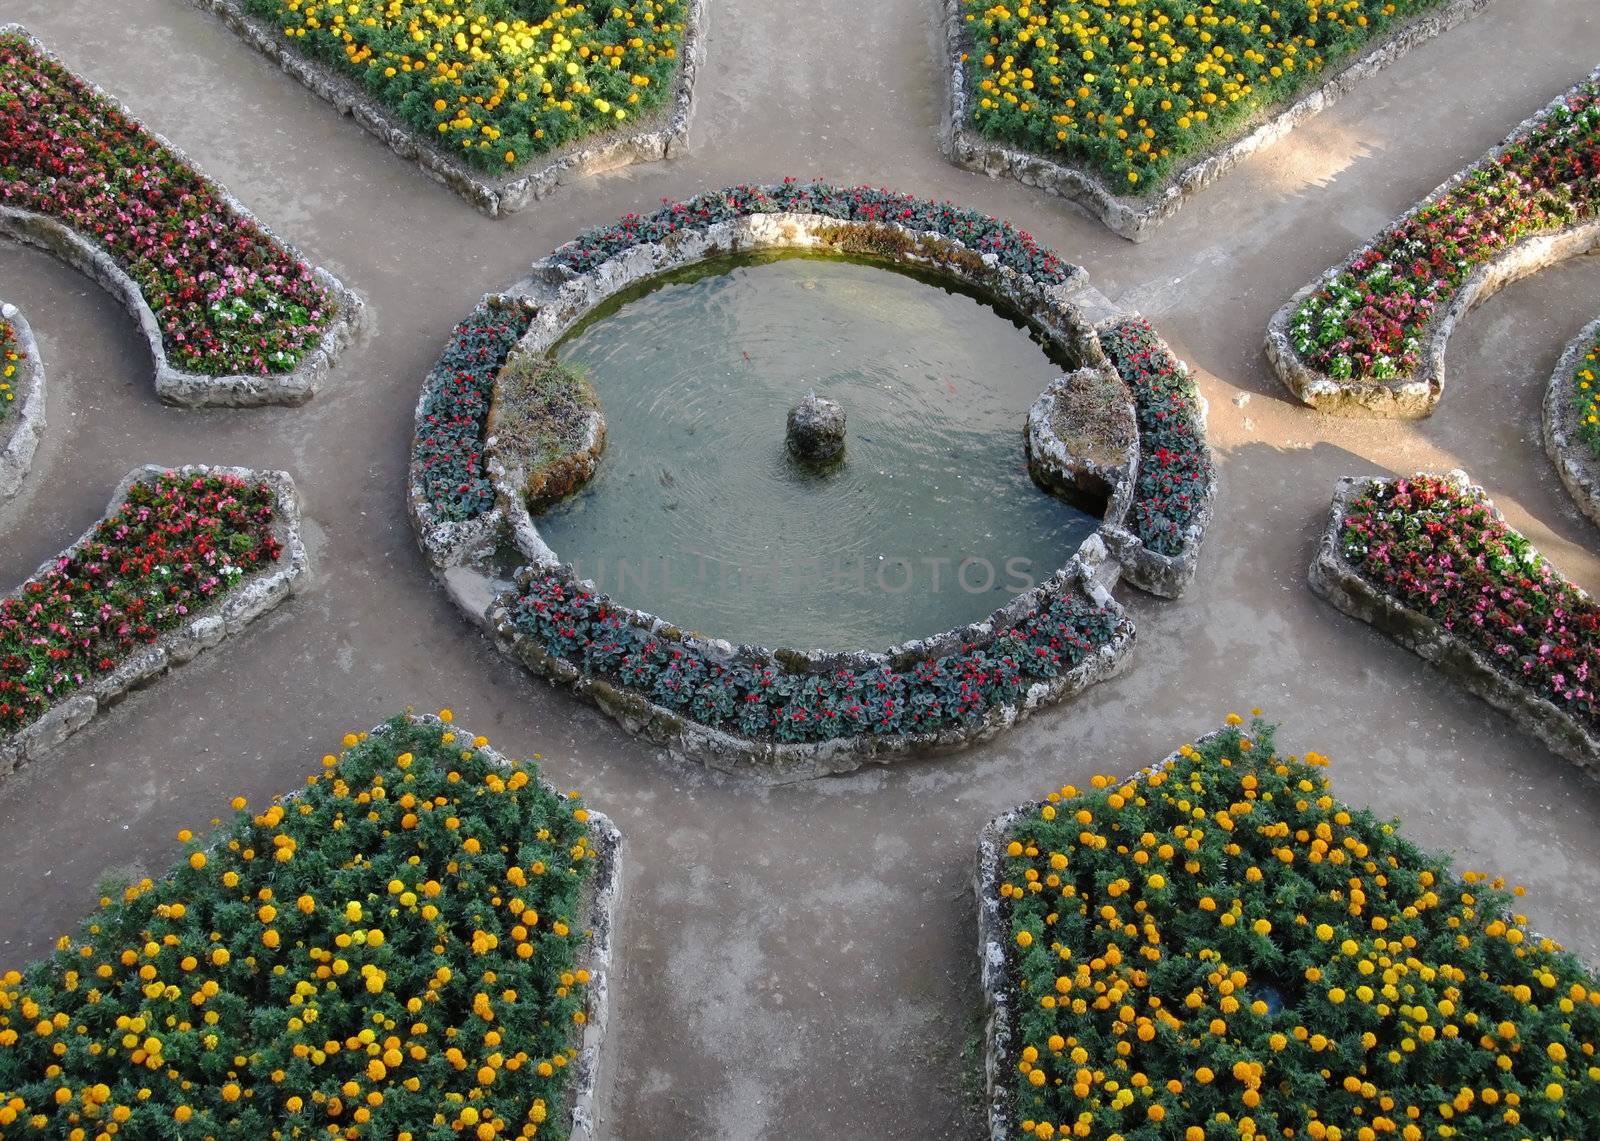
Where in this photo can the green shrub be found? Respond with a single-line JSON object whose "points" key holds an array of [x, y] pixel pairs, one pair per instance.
{"points": [[1222, 950], [391, 954]]}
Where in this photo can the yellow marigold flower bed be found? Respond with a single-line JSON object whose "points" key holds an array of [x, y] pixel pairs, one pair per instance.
{"points": [[1128, 88], [495, 81], [393, 954], [10, 355], [1586, 396], [1222, 950]]}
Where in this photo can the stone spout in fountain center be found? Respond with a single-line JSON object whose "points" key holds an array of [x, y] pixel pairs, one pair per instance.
{"points": [[816, 429]]}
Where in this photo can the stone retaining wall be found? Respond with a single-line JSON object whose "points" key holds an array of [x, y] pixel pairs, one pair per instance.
{"points": [[1061, 469], [1576, 462], [565, 296], [174, 385], [1136, 218], [1337, 580], [1416, 395], [664, 134], [546, 483], [24, 421], [203, 630]]}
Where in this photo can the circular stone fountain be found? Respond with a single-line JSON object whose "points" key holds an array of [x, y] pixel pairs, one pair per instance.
{"points": [[815, 431], [697, 327], [703, 512]]}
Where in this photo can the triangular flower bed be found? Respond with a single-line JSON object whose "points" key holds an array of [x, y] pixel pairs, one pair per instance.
{"points": [[1217, 948], [413, 946]]}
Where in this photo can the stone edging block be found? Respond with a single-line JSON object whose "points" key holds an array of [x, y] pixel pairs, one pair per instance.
{"points": [[1335, 579], [1136, 218], [1576, 462], [204, 629], [999, 1024], [1053, 464], [174, 385], [492, 196], [24, 423], [1416, 395]]}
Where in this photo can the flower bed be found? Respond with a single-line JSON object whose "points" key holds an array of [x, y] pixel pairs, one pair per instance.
{"points": [[1132, 110], [1013, 248], [21, 398], [1584, 391], [11, 354], [1443, 551], [765, 701], [1429, 562], [1371, 333], [488, 84], [1176, 481], [1570, 420], [118, 608], [219, 296], [411, 946], [1045, 77], [447, 458], [498, 100], [1219, 948], [175, 545]]}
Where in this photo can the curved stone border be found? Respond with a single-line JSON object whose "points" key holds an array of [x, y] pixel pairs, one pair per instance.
{"points": [[492, 196], [1576, 462], [204, 630], [1069, 311], [556, 298], [600, 920], [781, 760], [448, 544], [173, 385], [1166, 576], [994, 950], [24, 423], [1136, 218], [1416, 395], [1335, 579]]}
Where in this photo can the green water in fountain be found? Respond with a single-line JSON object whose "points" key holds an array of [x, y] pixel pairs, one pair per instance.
{"points": [[699, 514]]}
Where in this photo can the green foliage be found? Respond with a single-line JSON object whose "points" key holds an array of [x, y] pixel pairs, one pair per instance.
{"points": [[1129, 90], [495, 81], [1219, 949], [388, 955], [541, 410]]}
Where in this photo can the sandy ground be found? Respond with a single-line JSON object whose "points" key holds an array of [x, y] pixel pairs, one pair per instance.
{"points": [[799, 960]]}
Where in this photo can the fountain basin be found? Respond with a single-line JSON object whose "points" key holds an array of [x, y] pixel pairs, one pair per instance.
{"points": [[661, 678]]}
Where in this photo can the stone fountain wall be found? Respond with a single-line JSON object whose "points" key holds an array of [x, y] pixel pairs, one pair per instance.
{"points": [[1065, 313]]}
